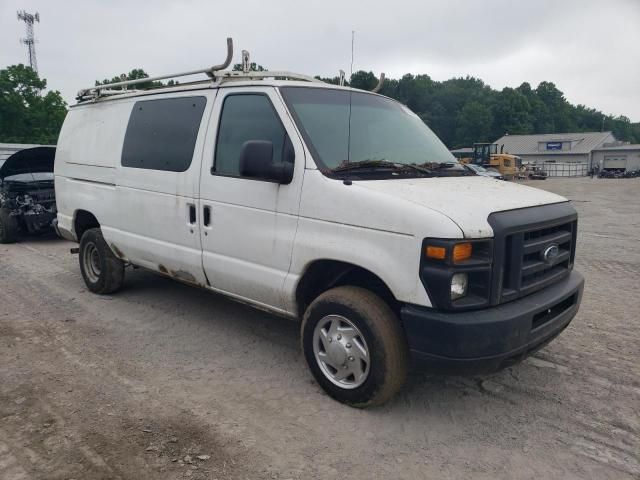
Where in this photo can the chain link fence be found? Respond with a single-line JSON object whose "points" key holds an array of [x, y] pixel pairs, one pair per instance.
{"points": [[570, 169]]}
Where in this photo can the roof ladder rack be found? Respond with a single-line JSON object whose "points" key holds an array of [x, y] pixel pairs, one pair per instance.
{"points": [[107, 88], [216, 73]]}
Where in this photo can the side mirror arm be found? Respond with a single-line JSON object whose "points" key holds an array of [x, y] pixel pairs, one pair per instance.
{"points": [[282, 172]]}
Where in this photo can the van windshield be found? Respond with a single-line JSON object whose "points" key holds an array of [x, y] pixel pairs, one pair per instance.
{"points": [[380, 135]]}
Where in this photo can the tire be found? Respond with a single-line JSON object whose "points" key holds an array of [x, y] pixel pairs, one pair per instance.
{"points": [[102, 271], [8, 227], [377, 376]]}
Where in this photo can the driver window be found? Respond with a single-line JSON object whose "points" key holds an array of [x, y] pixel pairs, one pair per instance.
{"points": [[246, 117]]}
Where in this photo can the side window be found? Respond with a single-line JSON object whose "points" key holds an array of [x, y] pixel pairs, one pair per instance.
{"points": [[246, 117], [161, 134]]}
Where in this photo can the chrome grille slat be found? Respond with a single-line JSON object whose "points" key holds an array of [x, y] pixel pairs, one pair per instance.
{"points": [[549, 277], [533, 266], [539, 243]]}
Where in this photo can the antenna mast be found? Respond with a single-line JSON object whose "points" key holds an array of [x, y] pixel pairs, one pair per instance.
{"points": [[30, 40], [353, 41]]}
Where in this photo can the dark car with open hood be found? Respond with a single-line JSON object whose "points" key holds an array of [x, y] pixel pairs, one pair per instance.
{"points": [[27, 195]]}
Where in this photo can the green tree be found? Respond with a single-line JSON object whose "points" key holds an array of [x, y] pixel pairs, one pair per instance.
{"points": [[414, 91], [363, 80], [587, 119], [331, 80], [135, 74], [253, 67], [26, 114], [557, 110], [511, 113], [474, 123], [622, 128]]}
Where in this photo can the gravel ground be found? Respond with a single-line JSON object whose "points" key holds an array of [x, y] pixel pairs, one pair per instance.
{"points": [[164, 381]]}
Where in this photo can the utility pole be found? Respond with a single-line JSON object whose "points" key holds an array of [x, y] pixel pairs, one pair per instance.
{"points": [[30, 40]]}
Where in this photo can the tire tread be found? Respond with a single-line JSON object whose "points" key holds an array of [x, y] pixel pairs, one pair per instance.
{"points": [[387, 328], [113, 267]]}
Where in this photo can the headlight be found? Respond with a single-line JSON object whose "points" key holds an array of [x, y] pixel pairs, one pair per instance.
{"points": [[459, 285], [457, 272]]}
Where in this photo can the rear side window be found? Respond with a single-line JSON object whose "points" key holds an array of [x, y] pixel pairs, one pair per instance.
{"points": [[161, 134], [246, 117]]}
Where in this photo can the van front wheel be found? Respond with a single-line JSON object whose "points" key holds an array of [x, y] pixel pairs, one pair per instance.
{"points": [[102, 271], [355, 346]]}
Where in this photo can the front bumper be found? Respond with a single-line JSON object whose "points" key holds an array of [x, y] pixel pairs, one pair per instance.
{"points": [[493, 338], [37, 222]]}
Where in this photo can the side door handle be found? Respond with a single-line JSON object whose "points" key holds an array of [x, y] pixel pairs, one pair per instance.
{"points": [[206, 216], [192, 214]]}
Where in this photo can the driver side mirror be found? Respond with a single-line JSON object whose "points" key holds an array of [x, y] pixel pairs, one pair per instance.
{"points": [[256, 162]]}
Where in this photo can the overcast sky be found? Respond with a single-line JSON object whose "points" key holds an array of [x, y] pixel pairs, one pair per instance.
{"points": [[590, 49]]}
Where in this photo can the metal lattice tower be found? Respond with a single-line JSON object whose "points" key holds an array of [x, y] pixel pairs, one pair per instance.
{"points": [[30, 40]]}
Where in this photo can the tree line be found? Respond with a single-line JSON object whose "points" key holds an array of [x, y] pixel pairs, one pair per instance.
{"points": [[461, 111]]}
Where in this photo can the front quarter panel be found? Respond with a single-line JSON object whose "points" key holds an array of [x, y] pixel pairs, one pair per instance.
{"points": [[366, 228]]}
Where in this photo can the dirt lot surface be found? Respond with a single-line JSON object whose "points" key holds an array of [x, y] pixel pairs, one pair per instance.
{"points": [[163, 381]]}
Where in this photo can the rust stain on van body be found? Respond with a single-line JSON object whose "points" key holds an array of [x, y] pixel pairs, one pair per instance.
{"points": [[117, 251], [180, 275]]}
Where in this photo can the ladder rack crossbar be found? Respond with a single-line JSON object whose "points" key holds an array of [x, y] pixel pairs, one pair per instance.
{"points": [[257, 75]]}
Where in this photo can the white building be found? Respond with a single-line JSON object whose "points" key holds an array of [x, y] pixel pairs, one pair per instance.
{"points": [[618, 157], [560, 154]]}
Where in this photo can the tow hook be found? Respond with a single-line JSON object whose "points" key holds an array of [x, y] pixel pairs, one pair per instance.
{"points": [[74, 251]]}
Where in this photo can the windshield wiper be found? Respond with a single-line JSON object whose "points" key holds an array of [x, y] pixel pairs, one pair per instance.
{"points": [[445, 168], [437, 165], [364, 164], [380, 164], [418, 168]]}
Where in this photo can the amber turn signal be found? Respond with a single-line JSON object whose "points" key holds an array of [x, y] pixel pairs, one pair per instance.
{"points": [[438, 253], [461, 252]]}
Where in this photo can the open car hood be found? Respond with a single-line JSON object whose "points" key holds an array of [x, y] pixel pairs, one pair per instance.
{"points": [[29, 160]]}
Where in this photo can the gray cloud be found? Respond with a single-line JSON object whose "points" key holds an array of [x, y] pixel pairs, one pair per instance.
{"points": [[588, 48]]}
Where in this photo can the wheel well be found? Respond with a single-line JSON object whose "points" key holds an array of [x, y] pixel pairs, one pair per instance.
{"points": [[323, 275], [83, 222]]}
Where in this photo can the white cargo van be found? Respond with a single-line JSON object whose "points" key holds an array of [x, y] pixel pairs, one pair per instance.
{"points": [[327, 204]]}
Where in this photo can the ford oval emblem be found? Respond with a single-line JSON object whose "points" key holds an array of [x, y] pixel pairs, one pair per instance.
{"points": [[550, 252]]}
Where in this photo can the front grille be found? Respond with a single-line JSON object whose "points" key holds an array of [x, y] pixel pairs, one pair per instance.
{"points": [[525, 269], [521, 267], [536, 270]]}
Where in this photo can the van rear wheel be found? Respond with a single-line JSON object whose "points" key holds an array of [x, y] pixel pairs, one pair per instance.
{"points": [[102, 271], [355, 346]]}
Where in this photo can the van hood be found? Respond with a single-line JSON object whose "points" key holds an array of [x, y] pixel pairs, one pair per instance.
{"points": [[467, 201], [29, 160]]}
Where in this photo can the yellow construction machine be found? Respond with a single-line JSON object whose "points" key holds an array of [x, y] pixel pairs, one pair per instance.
{"points": [[487, 156]]}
